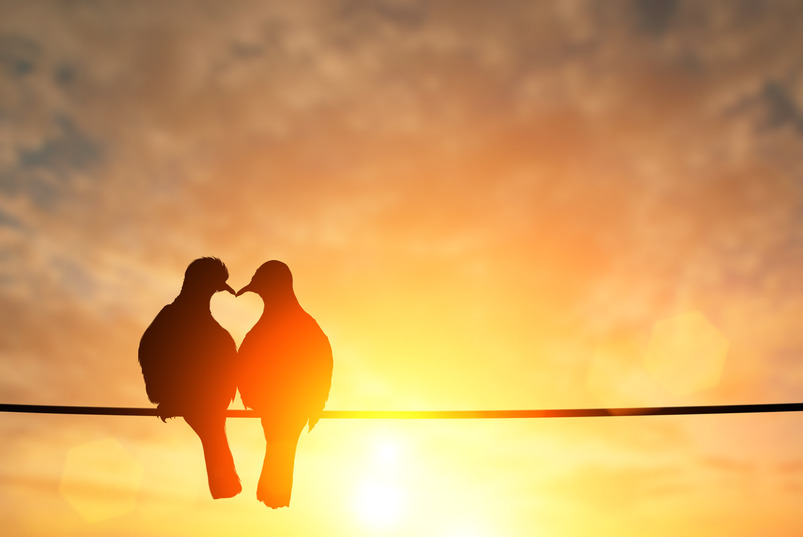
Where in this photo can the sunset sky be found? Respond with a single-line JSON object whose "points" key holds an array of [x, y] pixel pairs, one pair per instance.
{"points": [[485, 205]]}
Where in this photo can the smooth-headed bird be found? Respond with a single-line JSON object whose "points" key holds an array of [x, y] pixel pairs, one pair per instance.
{"points": [[189, 365], [285, 372]]}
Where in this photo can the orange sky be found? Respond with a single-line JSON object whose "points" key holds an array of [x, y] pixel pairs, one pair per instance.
{"points": [[530, 205]]}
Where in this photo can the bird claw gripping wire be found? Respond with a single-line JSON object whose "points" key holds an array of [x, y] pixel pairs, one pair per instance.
{"points": [[165, 411], [312, 422]]}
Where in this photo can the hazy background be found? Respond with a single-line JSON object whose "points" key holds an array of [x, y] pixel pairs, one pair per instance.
{"points": [[485, 205]]}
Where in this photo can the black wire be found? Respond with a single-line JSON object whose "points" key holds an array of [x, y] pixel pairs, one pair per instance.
{"points": [[436, 414]]}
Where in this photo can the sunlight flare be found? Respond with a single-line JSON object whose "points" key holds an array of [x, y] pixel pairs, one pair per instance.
{"points": [[101, 480], [379, 503], [380, 500]]}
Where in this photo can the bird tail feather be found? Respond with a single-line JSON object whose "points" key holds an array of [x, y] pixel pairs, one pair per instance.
{"points": [[220, 471], [276, 481]]}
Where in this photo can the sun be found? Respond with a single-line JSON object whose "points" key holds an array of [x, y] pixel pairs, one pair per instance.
{"points": [[379, 504], [380, 498]]}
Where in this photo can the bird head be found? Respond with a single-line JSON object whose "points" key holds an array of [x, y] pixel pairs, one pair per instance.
{"points": [[206, 275], [272, 279]]}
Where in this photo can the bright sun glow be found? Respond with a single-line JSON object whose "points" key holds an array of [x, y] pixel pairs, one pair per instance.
{"points": [[465, 531], [380, 499], [387, 454], [379, 503]]}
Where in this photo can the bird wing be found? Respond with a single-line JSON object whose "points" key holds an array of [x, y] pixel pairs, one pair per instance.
{"points": [[188, 358], [286, 364], [154, 355], [320, 365], [220, 353], [319, 373]]}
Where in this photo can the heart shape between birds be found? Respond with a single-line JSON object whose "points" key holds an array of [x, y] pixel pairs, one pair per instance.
{"points": [[236, 314]]}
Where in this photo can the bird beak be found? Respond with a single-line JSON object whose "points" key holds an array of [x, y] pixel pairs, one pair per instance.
{"points": [[227, 287], [245, 289]]}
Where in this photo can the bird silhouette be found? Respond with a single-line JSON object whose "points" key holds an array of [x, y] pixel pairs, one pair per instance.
{"points": [[188, 362], [284, 374]]}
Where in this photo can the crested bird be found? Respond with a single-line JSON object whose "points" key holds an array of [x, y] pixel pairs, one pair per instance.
{"points": [[189, 365], [284, 374]]}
